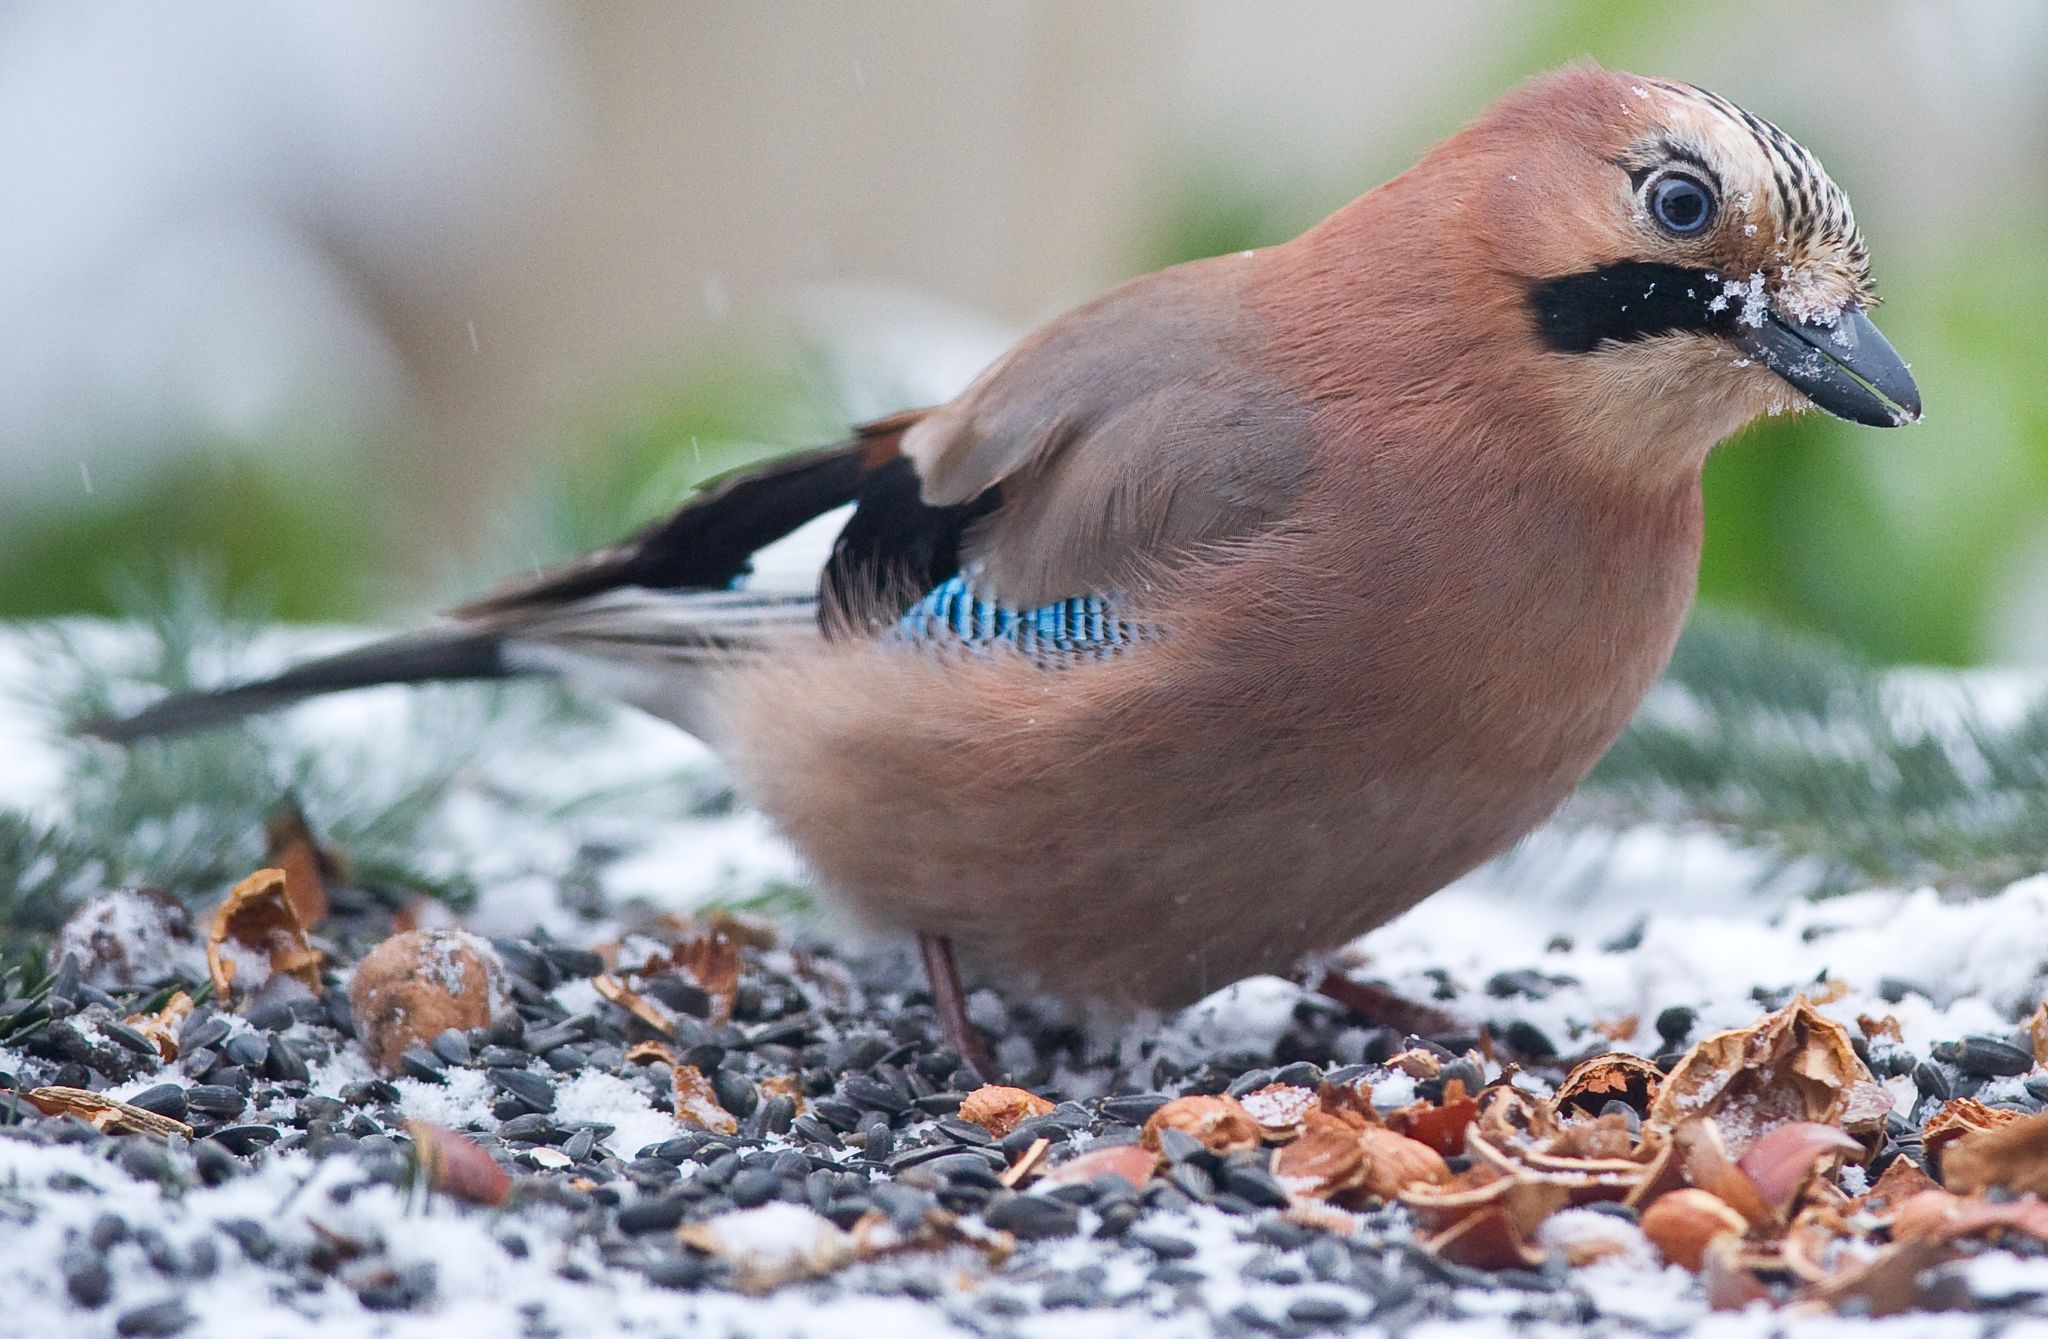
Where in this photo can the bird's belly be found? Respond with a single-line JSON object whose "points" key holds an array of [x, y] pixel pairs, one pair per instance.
{"points": [[1060, 825]]}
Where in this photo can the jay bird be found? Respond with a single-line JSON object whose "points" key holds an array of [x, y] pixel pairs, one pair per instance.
{"points": [[1236, 611]]}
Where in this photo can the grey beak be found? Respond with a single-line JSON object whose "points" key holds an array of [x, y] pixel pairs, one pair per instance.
{"points": [[1848, 368]]}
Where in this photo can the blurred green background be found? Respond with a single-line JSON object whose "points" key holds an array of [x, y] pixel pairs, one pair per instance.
{"points": [[355, 307]]}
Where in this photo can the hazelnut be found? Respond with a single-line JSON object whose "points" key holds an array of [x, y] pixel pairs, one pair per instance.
{"points": [[1682, 1223], [416, 985]]}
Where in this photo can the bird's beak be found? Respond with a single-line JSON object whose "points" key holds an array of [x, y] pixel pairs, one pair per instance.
{"points": [[1848, 368]]}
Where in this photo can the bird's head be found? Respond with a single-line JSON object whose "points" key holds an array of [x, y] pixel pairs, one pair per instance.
{"points": [[1679, 259]]}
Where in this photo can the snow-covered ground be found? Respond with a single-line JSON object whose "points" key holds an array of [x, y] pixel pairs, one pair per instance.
{"points": [[1574, 936]]}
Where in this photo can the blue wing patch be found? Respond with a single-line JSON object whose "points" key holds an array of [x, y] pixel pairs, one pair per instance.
{"points": [[1085, 627]]}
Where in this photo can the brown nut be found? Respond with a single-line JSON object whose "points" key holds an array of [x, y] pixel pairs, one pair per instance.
{"points": [[1681, 1224], [1220, 1123], [1394, 1162], [416, 985], [1000, 1110]]}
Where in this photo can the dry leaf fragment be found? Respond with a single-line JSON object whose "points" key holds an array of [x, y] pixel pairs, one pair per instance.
{"points": [[1828, 991], [103, 1112], [289, 845], [1321, 1216], [1681, 1224], [1792, 1065], [161, 1027], [1960, 1116], [634, 1003], [1442, 1126], [414, 986], [2012, 1155], [647, 1052], [455, 1165], [709, 957], [999, 1110], [697, 1104], [256, 935], [1219, 1123]]}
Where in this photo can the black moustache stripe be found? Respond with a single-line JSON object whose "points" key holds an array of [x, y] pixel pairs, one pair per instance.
{"points": [[1629, 300]]}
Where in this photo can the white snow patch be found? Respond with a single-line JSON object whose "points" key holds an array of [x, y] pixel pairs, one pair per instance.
{"points": [[464, 1100], [594, 1095]]}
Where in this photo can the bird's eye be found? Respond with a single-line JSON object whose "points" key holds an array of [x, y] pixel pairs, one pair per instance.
{"points": [[1681, 205]]}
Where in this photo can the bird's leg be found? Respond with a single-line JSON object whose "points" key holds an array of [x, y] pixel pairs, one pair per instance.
{"points": [[951, 1002]]}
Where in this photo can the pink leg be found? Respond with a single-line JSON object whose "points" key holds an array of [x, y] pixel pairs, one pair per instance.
{"points": [[951, 1002]]}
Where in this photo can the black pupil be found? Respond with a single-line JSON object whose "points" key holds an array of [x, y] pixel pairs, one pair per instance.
{"points": [[1681, 204]]}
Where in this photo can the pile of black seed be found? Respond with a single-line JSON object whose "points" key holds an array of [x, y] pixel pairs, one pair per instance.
{"points": [[877, 1133]]}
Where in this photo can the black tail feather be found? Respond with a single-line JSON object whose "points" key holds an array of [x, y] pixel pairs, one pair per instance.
{"points": [[704, 546], [439, 655]]}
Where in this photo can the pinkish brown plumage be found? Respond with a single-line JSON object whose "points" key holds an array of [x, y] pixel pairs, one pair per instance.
{"points": [[1392, 526]]}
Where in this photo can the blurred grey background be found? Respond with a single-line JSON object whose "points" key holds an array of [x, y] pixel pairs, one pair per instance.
{"points": [[351, 305]]}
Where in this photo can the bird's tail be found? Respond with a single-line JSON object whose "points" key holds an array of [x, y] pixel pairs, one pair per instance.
{"points": [[436, 655], [643, 622], [645, 648]]}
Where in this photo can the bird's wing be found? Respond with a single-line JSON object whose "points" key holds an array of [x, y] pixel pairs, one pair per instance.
{"points": [[1129, 432], [711, 541], [1137, 428]]}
